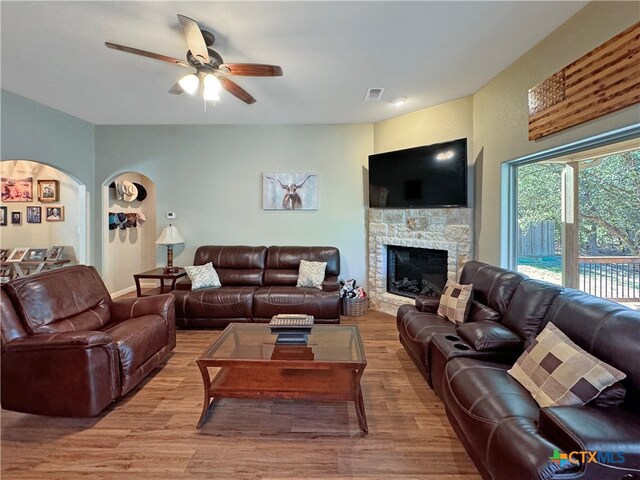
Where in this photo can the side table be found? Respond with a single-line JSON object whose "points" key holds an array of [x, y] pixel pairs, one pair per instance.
{"points": [[158, 274]]}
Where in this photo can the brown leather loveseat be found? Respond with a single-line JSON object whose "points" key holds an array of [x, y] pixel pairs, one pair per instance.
{"points": [[504, 430], [69, 350], [257, 283]]}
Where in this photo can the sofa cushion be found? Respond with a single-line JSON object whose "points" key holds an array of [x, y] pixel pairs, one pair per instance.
{"points": [[222, 302], [488, 335], [558, 372], [62, 300], [270, 301], [138, 339], [283, 263], [528, 307], [311, 274], [492, 286], [202, 276], [236, 265], [455, 302]]}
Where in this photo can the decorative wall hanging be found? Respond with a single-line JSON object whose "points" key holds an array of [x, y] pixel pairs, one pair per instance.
{"points": [[55, 214], [3, 216], [17, 189], [604, 80], [16, 218], [34, 214], [48, 191], [289, 191]]}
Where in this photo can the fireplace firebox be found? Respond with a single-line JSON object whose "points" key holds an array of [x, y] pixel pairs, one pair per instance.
{"points": [[415, 271]]}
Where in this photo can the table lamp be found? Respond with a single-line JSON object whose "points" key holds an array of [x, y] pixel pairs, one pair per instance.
{"points": [[170, 236]]}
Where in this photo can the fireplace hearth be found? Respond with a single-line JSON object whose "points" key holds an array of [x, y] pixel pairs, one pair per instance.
{"points": [[415, 271]]}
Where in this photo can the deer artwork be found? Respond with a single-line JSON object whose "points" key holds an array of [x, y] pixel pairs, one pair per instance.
{"points": [[291, 199]]}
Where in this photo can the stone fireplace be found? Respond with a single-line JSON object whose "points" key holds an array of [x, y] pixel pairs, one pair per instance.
{"points": [[415, 271], [444, 229]]}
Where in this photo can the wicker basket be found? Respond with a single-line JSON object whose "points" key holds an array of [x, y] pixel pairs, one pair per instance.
{"points": [[354, 307]]}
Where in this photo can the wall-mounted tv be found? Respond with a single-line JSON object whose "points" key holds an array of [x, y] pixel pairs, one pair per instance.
{"points": [[431, 176]]}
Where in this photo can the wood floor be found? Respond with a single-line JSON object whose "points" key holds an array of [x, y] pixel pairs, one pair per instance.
{"points": [[151, 433]]}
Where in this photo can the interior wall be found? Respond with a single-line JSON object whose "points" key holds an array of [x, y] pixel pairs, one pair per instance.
{"points": [[500, 108], [45, 234], [30, 130], [211, 177], [131, 250]]}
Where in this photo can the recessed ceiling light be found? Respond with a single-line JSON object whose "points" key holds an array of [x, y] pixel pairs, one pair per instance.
{"points": [[399, 101]]}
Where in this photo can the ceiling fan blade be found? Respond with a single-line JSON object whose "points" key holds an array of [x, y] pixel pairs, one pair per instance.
{"points": [[176, 89], [236, 90], [252, 69], [144, 53], [193, 37]]}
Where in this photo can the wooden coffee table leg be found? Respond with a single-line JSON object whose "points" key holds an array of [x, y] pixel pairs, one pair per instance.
{"points": [[208, 401], [359, 401]]}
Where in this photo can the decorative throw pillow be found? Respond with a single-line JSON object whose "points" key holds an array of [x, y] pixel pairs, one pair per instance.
{"points": [[311, 274], [203, 276], [558, 372], [455, 302]]}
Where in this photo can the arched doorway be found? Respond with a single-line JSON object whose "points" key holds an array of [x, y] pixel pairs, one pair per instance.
{"points": [[63, 192], [127, 247]]}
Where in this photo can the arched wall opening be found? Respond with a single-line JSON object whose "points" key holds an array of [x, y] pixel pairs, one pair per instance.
{"points": [[128, 246], [71, 199]]}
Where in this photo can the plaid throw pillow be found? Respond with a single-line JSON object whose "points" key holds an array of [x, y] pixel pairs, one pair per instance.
{"points": [[455, 302], [311, 274], [558, 372], [203, 276]]}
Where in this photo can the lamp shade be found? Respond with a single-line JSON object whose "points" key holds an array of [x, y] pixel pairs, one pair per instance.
{"points": [[170, 236]]}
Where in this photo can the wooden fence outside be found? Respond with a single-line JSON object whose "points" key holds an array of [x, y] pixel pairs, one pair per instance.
{"points": [[538, 241]]}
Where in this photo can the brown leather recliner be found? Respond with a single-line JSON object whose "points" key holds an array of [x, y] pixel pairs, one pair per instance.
{"points": [[257, 283], [69, 350]]}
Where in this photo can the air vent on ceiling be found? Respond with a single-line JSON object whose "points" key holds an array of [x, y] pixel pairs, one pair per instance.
{"points": [[374, 95]]}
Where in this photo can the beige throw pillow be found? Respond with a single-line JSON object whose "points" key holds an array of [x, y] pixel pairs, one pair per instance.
{"points": [[203, 276], [311, 274], [455, 302], [558, 372]]}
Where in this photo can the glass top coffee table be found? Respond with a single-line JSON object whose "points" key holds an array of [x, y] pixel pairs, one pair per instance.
{"points": [[327, 368]]}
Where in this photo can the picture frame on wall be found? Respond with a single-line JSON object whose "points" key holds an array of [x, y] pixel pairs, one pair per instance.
{"points": [[289, 191], [18, 254], [55, 253], [54, 214], [48, 191], [16, 218], [34, 214], [3, 216], [16, 189]]}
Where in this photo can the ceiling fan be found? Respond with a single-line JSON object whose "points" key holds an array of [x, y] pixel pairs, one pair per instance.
{"points": [[210, 70]]}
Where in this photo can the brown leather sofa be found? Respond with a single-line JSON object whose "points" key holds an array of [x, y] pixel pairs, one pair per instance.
{"points": [[69, 350], [257, 283], [505, 432]]}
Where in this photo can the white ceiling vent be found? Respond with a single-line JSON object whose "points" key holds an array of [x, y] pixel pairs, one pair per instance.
{"points": [[374, 95]]}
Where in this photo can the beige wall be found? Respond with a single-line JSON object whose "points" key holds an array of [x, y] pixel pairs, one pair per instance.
{"points": [[131, 250], [495, 119], [500, 108], [211, 177], [45, 234]]}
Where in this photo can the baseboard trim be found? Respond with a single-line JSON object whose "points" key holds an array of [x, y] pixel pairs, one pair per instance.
{"points": [[132, 288]]}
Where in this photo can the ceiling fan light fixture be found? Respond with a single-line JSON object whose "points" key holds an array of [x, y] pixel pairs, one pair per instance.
{"points": [[210, 95], [189, 83]]}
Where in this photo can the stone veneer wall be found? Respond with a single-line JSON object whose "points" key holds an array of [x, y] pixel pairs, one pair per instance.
{"points": [[447, 229]]}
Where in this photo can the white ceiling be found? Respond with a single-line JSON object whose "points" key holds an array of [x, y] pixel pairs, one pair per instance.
{"points": [[330, 52]]}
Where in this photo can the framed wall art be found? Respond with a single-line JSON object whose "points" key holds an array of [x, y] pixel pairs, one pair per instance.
{"points": [[54, 214], [55, 253], [3, 216], [16, 218], [17, 189], [289, 191], [34, 214], [36, 255], [48, 191], [18, 254]]}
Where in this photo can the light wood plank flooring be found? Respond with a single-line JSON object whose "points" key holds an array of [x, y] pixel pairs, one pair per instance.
{"points": [[151, 433]]}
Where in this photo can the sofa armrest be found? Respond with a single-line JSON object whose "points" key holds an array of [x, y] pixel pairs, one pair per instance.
{"points": [[127, 308], [427, 304], [591, 429], [330, 284], [44, 341], [489, 336]]}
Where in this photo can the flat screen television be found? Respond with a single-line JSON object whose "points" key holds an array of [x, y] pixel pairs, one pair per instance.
{"points": [[431, 176]]}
